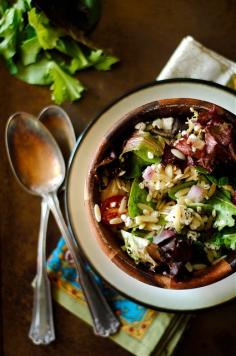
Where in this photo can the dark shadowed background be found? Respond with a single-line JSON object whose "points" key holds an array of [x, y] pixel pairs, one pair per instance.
{"points": [[143, 34]]}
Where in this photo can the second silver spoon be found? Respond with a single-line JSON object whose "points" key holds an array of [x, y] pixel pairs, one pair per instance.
{"points": [[42, 326]]}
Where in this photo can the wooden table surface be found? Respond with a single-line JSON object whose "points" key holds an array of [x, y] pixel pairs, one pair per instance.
{"points": [[143, 34]]}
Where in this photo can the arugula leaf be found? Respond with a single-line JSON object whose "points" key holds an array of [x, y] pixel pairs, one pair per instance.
{"points": [[162, 219], [211, 179], [226, 193], [137, 195], [224, 208], [143, 234], [142, 144], [64, 86], [178, 187], [218, 181], [223, 181], [225, 238], [135, 166], [47, 35], [204, 207], [143, 154], [200, 169]]}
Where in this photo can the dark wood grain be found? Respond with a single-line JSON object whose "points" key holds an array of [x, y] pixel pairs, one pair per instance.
{"points": [[143, 34]]}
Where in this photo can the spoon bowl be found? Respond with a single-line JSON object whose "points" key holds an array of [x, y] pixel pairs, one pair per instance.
{"points": [[34, 155], [58, 123]]}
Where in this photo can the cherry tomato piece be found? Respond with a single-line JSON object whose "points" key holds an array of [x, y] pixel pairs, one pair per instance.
{"points": [[110, 208]]}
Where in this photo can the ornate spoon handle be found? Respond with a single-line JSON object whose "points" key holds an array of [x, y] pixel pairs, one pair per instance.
{"points": [[42, 327], [104, 321]]}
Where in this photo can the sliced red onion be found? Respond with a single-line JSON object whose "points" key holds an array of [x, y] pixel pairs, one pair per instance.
{"points": [[163, 235], [148, 173], [234, 198], [196, 194], [143, 140]]}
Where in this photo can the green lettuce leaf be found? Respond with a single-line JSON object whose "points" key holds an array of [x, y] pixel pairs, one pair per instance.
{"points": [[136, 248], [3, 6], [225, 238], [47, 35], [39, 53], [95, 56], [36, 73], [82, 59], [45, 72], [101, 61], [11, 24], [72, 49], [64, 86], [224, 208], [105, 62], [30, 46]]}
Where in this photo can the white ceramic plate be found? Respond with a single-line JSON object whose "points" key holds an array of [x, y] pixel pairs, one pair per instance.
{"points": [[156, 297]]}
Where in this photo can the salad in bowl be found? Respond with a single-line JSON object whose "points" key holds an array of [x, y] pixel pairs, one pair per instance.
{"points": [[163, 193]]}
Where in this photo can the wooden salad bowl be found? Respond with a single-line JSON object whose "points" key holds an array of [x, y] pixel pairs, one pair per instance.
{"points": [[108, 241]]}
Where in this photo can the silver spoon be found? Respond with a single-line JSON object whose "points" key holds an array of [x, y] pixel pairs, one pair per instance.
{"points": [[38, 165], [42, 327], [58, 123]]}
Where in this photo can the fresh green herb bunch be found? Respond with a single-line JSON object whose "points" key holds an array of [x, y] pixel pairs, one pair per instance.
{"points": [[37, 52]]}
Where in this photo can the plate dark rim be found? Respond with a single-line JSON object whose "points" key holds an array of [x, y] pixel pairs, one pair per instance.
{"points": [[70, 165]]}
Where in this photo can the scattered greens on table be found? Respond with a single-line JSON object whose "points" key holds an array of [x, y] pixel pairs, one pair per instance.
{"points": [[37, 52], [168, 192]]}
